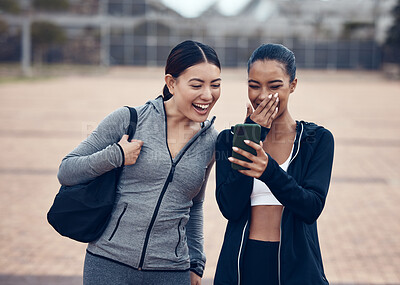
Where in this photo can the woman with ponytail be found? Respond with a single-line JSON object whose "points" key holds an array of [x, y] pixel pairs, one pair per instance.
{"points": [[155, 234], [272, 208]]}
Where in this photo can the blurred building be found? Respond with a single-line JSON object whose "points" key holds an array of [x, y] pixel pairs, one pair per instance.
{"points": [[323, 34]]}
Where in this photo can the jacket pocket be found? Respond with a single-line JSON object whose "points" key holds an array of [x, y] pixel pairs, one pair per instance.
{"points": [[312, 245], [118, 221], [179, 238], [316, 254]]}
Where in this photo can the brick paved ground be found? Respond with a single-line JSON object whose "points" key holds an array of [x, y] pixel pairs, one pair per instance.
{"points": [[41, 121]]}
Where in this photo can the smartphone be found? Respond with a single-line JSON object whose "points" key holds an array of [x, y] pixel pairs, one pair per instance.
{"points": [[243, 132]]}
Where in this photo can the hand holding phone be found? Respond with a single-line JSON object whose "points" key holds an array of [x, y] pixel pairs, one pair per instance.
{"points": [[243, 132]]}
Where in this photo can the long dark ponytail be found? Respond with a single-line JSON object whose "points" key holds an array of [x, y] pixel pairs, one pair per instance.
{"points": [[185, 55]]}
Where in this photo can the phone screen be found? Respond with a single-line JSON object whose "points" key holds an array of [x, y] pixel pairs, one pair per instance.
{"points": [[243, 132]]}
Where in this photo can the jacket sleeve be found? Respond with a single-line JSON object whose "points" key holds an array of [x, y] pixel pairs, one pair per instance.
{"points": [[194, 229], [233, 189], [308, 199], [98, 153]]}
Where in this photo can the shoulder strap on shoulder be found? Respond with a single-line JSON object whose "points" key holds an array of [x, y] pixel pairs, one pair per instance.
{"points": [[132, 124]]}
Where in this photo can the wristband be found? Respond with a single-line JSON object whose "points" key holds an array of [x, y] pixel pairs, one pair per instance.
{"points": [[264, 130], [123, 154]]}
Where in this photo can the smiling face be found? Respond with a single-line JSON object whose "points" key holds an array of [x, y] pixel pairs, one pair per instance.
{"points": [[269, 77], [196, 90]]}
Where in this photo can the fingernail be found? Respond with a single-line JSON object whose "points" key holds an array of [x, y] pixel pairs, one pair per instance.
{"points": [[247, 141], [276, 109], [277, 99], [276, 95], [230, 158], [270, 96], [235, 148]]}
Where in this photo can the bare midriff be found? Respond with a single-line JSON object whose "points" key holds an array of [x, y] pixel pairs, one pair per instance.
{"points": [[266, 222], [266, 219]]}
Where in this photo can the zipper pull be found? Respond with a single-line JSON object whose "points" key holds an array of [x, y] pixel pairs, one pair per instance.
{"points": [[171, 173]]}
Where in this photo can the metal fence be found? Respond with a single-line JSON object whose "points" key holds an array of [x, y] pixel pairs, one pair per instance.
{"points": [[234, 52], [142, 32], [149, 45]]}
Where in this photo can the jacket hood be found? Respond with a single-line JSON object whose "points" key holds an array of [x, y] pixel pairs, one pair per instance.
{"points": [[305, 133], [306, 129]]}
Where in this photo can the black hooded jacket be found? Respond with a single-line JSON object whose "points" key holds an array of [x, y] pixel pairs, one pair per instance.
{"points": [[302, 191]]}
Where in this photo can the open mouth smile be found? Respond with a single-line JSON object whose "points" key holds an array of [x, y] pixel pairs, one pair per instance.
{"points": [[201, 108]]}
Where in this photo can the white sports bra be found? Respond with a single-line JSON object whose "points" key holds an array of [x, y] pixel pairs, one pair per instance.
{"points": [[261, 195]]}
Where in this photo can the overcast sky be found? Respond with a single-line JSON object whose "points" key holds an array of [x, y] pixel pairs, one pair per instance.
{"points": [[193, 8]]}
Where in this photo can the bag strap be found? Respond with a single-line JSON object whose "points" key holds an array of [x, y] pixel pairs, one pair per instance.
{"points": [[132, 124]]}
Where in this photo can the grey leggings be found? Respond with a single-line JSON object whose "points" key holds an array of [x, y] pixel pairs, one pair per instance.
{"points": [[101, 271]]}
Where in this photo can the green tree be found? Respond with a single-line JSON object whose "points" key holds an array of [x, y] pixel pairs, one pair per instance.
{"points": [[351, 28], [45, 35], [51, 5], [392, 44], [9, 6]]}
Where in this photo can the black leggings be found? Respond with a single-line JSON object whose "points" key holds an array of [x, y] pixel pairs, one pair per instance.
{"points": [[260, 263]]}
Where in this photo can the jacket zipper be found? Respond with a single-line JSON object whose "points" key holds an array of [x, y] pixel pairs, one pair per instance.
{"points": [[164, 189], [155, 213], [240, 251], [280, 238], [279, 250], [153, 218]]}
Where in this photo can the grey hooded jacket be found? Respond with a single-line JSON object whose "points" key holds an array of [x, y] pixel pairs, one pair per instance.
{"points": [[157, 221]]}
